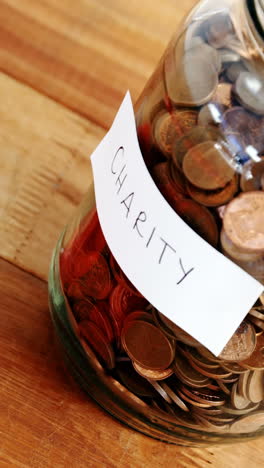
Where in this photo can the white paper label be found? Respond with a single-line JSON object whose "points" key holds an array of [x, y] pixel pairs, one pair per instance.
{"points": [[174, 268]]}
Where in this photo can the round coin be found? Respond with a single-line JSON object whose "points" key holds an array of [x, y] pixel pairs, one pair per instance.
{"points": [[239, 401], [169, 127], [133, 381], [242, 129], [235, 253], [196, 81], [160, 390], [219, 30], [249, 91], [147, 345], [151, 374], [255, 386], [194, 137], [99, 344], [244, 221], [256, 360], [198, 218], [82, 309], [214, 198], [188, 374], [206, 166], [241, 345], [175, 398], [95, 275], [123, 301]]}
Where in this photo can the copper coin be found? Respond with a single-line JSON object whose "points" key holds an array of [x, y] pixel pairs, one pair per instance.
{"points": [[133, 381], [162, 177], [249, 423], [95, 275], [255, 386], [214, 198], [251, 176], [100, 316], [249, 91], [161, 324], [223, 387], [194, 137], [82, 309], [216, 373], [138, 315], [206, 166], [123, 301], [74, 290], [233, 367], [241, 345], [256, 360], [244, 221], [193, 356], [175, 331], [188, 374], [147, 345], [198, 218], [99, 344], [151, 374], [204, 395], [177, 179], [92, 237], [169, 127], [207, 354]]}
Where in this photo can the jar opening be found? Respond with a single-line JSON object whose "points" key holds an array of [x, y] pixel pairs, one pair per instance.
{"points": [[256, 11]]}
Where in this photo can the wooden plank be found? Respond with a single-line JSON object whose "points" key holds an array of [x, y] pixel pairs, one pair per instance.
{"points": [[45, 170], [88, 54], [46, 421]]}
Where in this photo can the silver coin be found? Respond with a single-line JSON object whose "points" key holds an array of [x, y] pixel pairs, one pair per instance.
{"points": [[249, 91]]}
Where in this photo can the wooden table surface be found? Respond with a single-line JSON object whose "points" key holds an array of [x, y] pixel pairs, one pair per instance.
{"points": [[65, 67]]}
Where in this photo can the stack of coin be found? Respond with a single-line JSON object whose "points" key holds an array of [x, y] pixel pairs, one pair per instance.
{"points": [[203, 142]]}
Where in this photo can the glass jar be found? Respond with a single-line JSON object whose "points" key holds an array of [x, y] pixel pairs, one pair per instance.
{"points": [[201, 131]]}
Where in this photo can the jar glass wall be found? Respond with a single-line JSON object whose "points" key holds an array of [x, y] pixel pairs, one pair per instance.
{"points": [[201, 131]]}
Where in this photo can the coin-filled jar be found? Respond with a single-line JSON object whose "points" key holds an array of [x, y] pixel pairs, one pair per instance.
{"points": [[200, 127]]}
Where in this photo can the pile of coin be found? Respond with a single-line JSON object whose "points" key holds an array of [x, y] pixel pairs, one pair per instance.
{"points": [[203, 142]]}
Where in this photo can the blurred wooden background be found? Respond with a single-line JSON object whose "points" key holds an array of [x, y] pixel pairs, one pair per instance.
{"points": [[65, 67]]}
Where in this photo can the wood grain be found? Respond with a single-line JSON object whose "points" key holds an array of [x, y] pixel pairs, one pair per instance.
{"points": [[44, 171], [46, 421], [83, 55], [87, 54]]}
